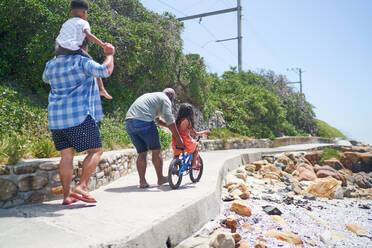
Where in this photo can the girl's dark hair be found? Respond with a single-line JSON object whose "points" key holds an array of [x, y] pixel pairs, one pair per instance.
{"points": [[185, 111]]}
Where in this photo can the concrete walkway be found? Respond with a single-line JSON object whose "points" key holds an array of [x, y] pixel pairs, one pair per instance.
{"points": [[126, 216]]}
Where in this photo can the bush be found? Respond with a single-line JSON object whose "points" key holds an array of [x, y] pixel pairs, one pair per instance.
{"points": [[12, 148], [224, 134], [249, 109], [327, 131], [329, 153]]}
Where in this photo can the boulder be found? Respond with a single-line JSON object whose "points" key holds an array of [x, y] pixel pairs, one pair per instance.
{"points": [[270, 168], [271, 175], [288, 237], [231, 223], [314, 157], [289, 164], [305, 172], [48, 166], [241, 208], [237, 237], [231, 179], [324, 187], [334, 163], [8, 189], [363, 181], [242, 176], [57, 190], [326, 171], [352, 161], [222, 240], [250, 168], [37, 197], [240, 190], [357, 229]]}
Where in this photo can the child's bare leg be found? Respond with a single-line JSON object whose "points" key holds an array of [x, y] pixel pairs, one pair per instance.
{"points": [[193, 162], [102, 90]]}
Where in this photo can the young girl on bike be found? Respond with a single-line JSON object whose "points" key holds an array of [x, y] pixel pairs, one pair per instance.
{"points": [[185, 124]]}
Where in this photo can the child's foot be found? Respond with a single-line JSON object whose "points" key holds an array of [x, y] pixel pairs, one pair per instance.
{"points": [[105, 94], [162, 181]]}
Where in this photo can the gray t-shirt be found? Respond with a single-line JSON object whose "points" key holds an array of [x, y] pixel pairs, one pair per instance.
{"points": [[150, 106]]}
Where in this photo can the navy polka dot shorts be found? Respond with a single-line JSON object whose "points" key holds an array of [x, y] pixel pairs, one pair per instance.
{"points": [[82, 137]]}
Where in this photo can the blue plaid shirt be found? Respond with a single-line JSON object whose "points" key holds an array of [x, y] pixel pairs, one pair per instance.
{"points": [[74, 91]]}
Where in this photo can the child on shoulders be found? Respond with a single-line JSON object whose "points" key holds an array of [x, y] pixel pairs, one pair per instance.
{"points": [[73, 33]]}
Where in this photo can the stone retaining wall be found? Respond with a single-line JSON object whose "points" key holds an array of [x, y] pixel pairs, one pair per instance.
{"points": [[37, 180], [295, 140]]}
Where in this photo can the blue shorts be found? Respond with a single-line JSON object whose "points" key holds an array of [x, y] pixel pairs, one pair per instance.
{"points": [[82, 137], [144, 135]]}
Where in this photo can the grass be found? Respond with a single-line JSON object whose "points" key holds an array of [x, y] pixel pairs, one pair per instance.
{"points": [[24, 129], [327, 131], [329, 153], [224, 134]]}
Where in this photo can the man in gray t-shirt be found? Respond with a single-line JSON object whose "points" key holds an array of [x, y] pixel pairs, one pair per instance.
{"points": [[142, 130]]}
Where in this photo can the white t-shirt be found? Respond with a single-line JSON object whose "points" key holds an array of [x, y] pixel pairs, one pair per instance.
{"points": [[71, 35]]}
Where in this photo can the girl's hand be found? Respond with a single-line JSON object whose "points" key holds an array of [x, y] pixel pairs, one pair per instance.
{"points": [[207, 133]]}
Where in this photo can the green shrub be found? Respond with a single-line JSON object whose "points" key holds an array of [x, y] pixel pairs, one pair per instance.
{"points": [[12, 148], [43, 147], [165, 138], [224, 134], [329, 153], [327, 131]]}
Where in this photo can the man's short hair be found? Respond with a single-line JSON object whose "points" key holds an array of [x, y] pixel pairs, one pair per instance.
{"points": [[79, 4], [170, 93]]}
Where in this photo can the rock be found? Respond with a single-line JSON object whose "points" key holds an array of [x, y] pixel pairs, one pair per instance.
{"points": [[48, 166], [248, 227], [334, 163], [269, 159], [330, 237], [250, 168], [244, 245], [363, 181], [314, 157], [288, 237], [8, 189], [259, 245], [231, 179], [289, 164], [32, 183], [305, 172], [232, 223], [222, 240], [57, 190], [324, 187], [291, 156], [36, 197], [24, 169], [357, 229], [366, 157], [237, 237], [4, 170], [242, 176], [270, 168], [278, 219], [240, 207], [346, 172], [107, 171], [270, 210], [56, 178], [352, 161], [280, 166], [326, 171], [271, 175]]}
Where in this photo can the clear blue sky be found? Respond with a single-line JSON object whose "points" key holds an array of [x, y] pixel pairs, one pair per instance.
{"points": [[331, 40]]}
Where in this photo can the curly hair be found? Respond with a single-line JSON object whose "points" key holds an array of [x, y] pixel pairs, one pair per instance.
{"points": [[185, 111]]}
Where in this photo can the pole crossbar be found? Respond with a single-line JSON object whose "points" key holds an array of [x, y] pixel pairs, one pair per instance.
{"points": [[208, 14], [227, 39]]}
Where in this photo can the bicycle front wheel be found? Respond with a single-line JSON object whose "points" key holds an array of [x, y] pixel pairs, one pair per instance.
{"points": [[196, 173], [174, 175]]}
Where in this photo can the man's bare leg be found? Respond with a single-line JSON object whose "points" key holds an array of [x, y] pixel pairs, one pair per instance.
{"points": [[65, 172], [157, 160], [89, 167], [141, 168]]}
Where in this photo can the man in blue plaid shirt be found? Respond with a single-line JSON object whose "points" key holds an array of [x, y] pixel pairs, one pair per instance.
{"points": [[73, 112]]}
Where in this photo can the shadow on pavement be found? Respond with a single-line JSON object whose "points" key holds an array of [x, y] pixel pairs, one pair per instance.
{"points": [[135, 188], [40, 210]]}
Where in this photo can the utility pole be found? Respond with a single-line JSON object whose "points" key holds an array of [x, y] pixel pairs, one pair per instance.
{"points": [[299, 71], [238, 9], [239, 19]]}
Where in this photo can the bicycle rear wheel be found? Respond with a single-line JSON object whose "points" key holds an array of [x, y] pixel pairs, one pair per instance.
{"points": [[196, 173], [174, 175]]}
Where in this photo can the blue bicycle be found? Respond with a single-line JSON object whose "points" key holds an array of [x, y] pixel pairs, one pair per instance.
{"points": [[181, 166]]}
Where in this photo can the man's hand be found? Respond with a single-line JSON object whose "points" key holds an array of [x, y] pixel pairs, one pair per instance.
{"points": [[172, 127], [109, 49]]}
